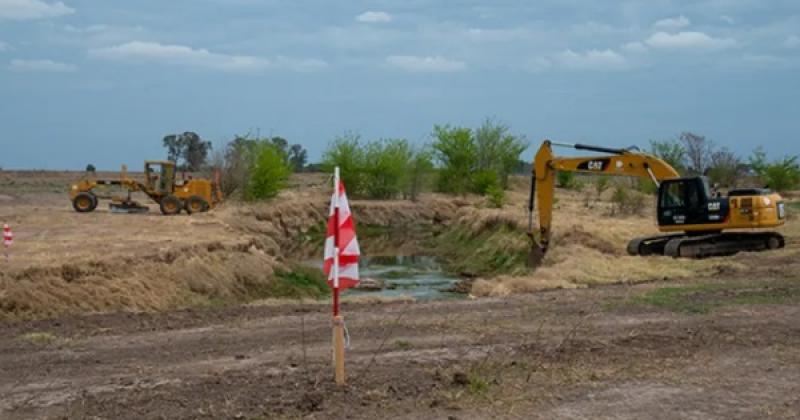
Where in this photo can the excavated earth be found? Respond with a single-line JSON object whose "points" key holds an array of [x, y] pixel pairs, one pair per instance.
{"points": [[127, 317]]}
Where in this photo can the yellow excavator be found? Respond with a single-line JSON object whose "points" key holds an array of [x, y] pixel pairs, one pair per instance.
{"points": [[697, 223], [194, 195]]}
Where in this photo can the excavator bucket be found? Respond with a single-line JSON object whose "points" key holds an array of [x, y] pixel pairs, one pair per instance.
{"points": [[535, 255]]}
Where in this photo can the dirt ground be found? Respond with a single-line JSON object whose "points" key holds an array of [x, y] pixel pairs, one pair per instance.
{"points": [[565, 354], [115, 316]]}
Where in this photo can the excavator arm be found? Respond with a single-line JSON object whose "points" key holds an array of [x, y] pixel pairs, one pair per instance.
{"points": [[618, 162]]}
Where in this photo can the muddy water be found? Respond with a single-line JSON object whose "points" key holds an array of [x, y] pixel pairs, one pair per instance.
{"points": [[419, 277]]}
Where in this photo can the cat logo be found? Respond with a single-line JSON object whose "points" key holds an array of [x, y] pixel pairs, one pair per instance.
{"points": [[595, 165], [714, 206]]}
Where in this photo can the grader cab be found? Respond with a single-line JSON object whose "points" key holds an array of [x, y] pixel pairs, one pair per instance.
{"points": [[194, 195]]}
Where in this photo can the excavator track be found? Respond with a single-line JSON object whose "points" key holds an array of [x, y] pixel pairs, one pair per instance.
{"points": [[650, 245], [708, 245]]}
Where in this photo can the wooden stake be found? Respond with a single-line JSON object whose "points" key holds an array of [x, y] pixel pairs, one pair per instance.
{"points": [[338, 349]]}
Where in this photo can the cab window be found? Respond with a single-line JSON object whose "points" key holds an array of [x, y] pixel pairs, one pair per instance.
{"points": [[673, 195]]}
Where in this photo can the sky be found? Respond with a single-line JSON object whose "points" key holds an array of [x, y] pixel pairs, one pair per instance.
{"points": [[102, 82]]}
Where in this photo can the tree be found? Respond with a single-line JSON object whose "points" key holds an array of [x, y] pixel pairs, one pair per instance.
{"points": [[281, 144], [386, 167], [498, 150], [780, 175], [237, 160], [90, 168], [188, 147], [421, 166], [458, 156], [698, 152], [297, 157], [268, 174], [670, 151], [345, 151], [726, 168]]}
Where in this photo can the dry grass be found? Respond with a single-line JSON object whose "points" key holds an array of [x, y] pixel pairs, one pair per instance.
{"points": [[588, 247]]}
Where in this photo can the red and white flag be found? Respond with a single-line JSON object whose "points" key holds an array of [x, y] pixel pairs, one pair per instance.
{"points": [[341, 245], [8, 236]]}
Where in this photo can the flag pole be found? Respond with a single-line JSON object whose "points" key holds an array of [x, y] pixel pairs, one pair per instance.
{"points": [[338, 320]]}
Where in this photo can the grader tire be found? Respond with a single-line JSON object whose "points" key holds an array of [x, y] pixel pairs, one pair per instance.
{"points": [[195, 204], [84, 202], [170, 205]]}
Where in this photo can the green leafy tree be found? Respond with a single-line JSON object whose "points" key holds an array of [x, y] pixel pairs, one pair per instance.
{"points": [[780, 175], [485, 180], [268, 174], [458, 155], [421, 168], [346, 152], [386, 168], [497, 149], [90, 168], [670, 151]]}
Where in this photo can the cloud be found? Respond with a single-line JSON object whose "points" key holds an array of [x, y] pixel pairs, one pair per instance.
{"points": [[4, 46], [634, 47], [201, 58], [417, 64], [538, 64], [673, 23], [47, 66], [32, 9], [374, 17], [688, 40], [793, 41], [727, 19], [592, 60]]}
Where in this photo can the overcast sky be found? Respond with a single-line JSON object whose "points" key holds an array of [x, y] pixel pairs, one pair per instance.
{"points": [[103, 81]]}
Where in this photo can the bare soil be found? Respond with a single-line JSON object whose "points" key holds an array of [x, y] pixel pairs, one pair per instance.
{"points": [[116, 317], [558, 354]]}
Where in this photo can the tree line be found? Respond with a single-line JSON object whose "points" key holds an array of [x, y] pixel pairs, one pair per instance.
{"points": [[694, 155], [455, 160]]}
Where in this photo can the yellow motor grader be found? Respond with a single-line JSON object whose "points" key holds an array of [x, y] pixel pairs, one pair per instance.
{"points": [[194, 195]]}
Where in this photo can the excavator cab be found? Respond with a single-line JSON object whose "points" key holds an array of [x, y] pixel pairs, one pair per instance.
{"points": [[689, 201], [160, 176]]}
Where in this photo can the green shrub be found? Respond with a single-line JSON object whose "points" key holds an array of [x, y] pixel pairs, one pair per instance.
{"points": [[347, 153], [670, 151], [496, 196], [268, 174], [483, 181], [567, 180], [301, 282], [625, 201], [466, 156], [386, 168], [601, 185], [780, 175], [647, 186], [381, 169], [457, 155]]}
